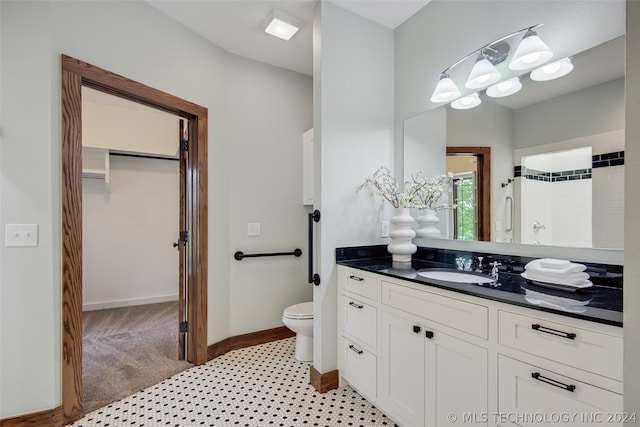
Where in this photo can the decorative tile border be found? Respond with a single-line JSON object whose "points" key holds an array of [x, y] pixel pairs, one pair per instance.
{"points": [[615, 158]]}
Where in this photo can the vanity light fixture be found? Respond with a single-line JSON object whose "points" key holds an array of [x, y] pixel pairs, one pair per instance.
{"points": [[467, 102], [504, 88], [551, 71], [281, 25], [531, 52], [491, 66], [483, 73], [446, 89]]}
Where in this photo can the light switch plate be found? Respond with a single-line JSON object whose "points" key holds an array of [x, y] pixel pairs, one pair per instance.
{"points": [[20, 235], [384, 229], [253, 229]]}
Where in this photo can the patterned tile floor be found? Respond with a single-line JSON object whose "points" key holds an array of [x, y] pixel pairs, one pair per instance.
{"points": [[257, 386]]}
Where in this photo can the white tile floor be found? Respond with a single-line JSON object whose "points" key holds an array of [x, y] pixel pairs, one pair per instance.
{"points": [[257, 386]]}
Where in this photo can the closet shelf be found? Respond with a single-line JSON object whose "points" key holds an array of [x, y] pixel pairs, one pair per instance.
{"points": [[95, 165]]}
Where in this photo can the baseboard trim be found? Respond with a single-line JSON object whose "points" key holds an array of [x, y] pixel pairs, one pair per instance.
{"points": [[49, 417], [323, 382], [248, 340]]}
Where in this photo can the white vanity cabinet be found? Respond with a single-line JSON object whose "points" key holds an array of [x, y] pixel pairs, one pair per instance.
{"points": [[358, 306], [429, 371], [443, 358]]}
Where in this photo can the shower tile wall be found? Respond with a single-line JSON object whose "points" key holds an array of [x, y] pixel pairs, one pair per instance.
{"points": [[557, 195]]}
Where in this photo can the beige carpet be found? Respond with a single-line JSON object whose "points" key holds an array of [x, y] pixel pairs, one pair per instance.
{"points": [[126, 350]]}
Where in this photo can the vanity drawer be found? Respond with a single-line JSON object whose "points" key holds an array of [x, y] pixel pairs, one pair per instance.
{"points": [[527, 390], [461, 315], [359, 320], [361, 284], [593, 351], [360, 368]]}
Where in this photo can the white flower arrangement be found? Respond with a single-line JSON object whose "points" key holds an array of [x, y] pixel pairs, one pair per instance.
{"points": [[418, 193]]}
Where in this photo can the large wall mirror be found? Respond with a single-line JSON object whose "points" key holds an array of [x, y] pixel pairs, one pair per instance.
{"points": [[557, 148]]}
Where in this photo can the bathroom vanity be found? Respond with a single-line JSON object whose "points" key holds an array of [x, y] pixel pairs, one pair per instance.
{"points": [[433, 353]]}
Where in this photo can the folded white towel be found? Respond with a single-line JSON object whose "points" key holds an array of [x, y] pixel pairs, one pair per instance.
{"points": [[571, 268], [557, 264], [573, 279]]}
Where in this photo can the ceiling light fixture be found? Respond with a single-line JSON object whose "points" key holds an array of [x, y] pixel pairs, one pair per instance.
{"points": [[466, 102], [281, 25], [531, 52], [504, 88], [446, 89], [551, 71]]}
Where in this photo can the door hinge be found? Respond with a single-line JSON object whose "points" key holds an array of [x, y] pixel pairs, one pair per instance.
{"points": [[184, 326], [184, 236], [184, 145]]}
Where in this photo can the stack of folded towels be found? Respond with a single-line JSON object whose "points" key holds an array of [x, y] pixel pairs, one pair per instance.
{"points": [[557, 271]]}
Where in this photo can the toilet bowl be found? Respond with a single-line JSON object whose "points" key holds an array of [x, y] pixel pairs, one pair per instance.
{"points": [[299, 319]]}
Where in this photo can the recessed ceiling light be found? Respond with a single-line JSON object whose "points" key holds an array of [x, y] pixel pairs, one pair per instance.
{"points": [[281, 25]]}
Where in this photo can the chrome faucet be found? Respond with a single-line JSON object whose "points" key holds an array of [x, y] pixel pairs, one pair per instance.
{"points": [[537, 227], [494, 269]]}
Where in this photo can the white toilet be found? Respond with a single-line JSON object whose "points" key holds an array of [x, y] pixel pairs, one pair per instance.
{"points": [[299, 318]]}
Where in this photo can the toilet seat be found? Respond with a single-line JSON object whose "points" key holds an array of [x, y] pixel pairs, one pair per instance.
{"points": [[301, 311]]}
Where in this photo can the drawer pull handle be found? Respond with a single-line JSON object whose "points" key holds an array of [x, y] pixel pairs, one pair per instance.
{"points": [[568, 387], [416, 329], [358, 306], [567, 335], [428, 334], [356, 278], [352, 347]]}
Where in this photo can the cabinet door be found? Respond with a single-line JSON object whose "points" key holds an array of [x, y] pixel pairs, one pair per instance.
{"points": [[402, 369], [530, 396], [456, 381]]}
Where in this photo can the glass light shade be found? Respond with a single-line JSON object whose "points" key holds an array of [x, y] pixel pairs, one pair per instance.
{"points": [[531, 52], [466, 102], [482, 74], [445, 90], [505, 88], [552, 71]]}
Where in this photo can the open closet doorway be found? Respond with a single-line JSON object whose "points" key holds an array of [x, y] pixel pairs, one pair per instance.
{"points": [[133, 210], [76, 75]]}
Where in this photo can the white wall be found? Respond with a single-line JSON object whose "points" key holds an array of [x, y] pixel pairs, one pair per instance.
{"points": [[127, 234], [135, 40], [590, 111], [270, 109], [353, 137], [632, 210]]}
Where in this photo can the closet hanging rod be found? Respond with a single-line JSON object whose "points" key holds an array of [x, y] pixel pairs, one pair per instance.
{"points": [[240, 255]]}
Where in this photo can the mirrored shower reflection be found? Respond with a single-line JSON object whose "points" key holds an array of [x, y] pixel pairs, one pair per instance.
{"points": [[556, 199]]}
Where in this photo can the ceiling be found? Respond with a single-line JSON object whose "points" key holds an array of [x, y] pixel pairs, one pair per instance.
{"points": [[236, 25]]}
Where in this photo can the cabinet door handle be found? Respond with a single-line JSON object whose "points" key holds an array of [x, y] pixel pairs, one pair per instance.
{"points": [[428, 334], [568, 387], [352, 347], [358, 306], [416, 329], [356, 278], [567, 335]]}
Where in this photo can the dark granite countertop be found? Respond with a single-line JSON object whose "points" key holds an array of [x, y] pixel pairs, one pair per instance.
{"points": [[600, 303]]}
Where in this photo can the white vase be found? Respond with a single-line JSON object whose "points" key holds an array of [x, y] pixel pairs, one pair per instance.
{"points": [[401, 248], [427, 225]]}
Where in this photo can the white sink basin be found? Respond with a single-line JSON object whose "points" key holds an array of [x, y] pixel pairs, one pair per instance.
{"points": [[456, 276]]}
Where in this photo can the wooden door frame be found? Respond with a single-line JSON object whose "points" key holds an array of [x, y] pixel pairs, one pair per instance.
{"points": [[483, 155], [76, 74]]}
